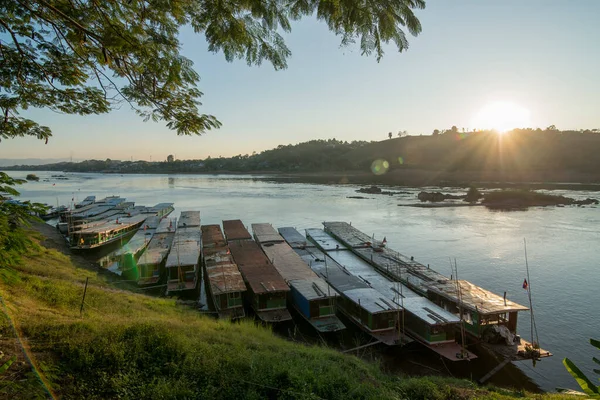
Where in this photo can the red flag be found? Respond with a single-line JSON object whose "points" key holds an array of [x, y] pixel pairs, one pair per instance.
{"points": [[525, 284]]}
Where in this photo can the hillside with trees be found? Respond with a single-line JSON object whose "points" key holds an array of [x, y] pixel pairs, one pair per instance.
{"points": [[520, 155]]}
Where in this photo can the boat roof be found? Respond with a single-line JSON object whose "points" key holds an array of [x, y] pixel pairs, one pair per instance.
{"points": [[158, 207], [395, 292], [425, 278], [294, 238], [224, 278], [263, 278], [112, 225], [326, 268], [313, 288], [351, 236], [142, 237], [256, 268], [157, 249], [474, 297], [235, 230], [185, 249], [248, 253], [371, 300], [212, 236], [427, 311], [287, 262], [265, 233], [167, 225], [323, 240], [189, 219]]}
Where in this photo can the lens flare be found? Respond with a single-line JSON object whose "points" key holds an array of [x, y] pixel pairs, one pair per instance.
{"points": [[400, 160], [380, 167]]}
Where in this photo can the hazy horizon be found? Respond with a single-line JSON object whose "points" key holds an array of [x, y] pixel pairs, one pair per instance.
{"points": [[537, 59]]}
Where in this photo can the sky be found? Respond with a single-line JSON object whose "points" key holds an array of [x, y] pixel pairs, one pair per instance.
{"points": [[542, 56]]}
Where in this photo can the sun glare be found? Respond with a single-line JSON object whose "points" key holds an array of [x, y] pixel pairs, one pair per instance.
{"points": [[502, 116]]}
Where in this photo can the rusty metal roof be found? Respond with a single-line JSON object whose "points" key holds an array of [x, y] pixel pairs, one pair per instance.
{"points": [[263, 279], [212, 236], [257, 270], [265, 233], [474, 297], [222, 272], [235, 230]]}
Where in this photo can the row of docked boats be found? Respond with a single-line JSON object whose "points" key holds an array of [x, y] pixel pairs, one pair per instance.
{"points": [[321, 275]]}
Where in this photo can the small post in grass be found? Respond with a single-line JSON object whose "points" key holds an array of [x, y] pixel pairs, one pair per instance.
{"points": [[83, 299]]}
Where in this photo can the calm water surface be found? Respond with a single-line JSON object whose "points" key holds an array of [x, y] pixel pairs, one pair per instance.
{"points": [[563, 243]]}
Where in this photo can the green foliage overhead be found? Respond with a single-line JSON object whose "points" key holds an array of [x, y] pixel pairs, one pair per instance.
{"points": [[584, 382], [14, 216], [88, 56]]}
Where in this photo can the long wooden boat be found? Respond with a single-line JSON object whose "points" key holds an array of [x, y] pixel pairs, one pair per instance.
{"points": [[224, 279], [113, 230], [123, 260], [422, 320], [184, 259], [487, 317], [161, 210], [361, 304], [152, 261], [310, 295], [267, 290]]}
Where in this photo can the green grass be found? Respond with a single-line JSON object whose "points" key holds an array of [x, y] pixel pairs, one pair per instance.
{"points": [[133, 346]]}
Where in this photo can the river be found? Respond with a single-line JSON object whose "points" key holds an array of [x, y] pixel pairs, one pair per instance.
{"points": [[563, 244]]}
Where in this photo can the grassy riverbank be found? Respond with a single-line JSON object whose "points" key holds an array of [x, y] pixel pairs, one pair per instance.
{"points": [[127, 345]]}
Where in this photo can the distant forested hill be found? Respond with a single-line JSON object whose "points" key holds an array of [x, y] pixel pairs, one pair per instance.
{"points": [[515, 153]]}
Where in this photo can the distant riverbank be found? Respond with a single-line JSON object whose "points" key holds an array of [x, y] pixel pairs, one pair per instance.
{"points": [[409, 177]]}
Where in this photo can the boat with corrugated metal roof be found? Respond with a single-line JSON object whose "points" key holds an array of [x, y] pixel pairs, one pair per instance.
{"points": [[184, 258], [267, 290], [224, 280], [364, 306], [151, 262], [422, 320], [310, 295], [486, 316]]}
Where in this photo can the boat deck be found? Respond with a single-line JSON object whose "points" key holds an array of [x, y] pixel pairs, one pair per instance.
{"points": [[519, 351]]}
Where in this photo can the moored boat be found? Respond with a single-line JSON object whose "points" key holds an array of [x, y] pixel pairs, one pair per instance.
{"points": [[361, 304], [110, 231], [422, 320], [123, 261], [267, 290], [184, 258], [152, 260], [224, 279], [310, 295], [487, 317]]}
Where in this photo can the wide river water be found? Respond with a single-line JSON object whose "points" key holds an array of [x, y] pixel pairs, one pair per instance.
{"points": [[563, 244]]}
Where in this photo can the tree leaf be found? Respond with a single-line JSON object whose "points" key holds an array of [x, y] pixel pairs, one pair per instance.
{"points": [[586, 385]]}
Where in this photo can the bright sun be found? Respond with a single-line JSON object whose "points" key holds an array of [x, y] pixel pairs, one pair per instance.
{"points": [[502, 116]]}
